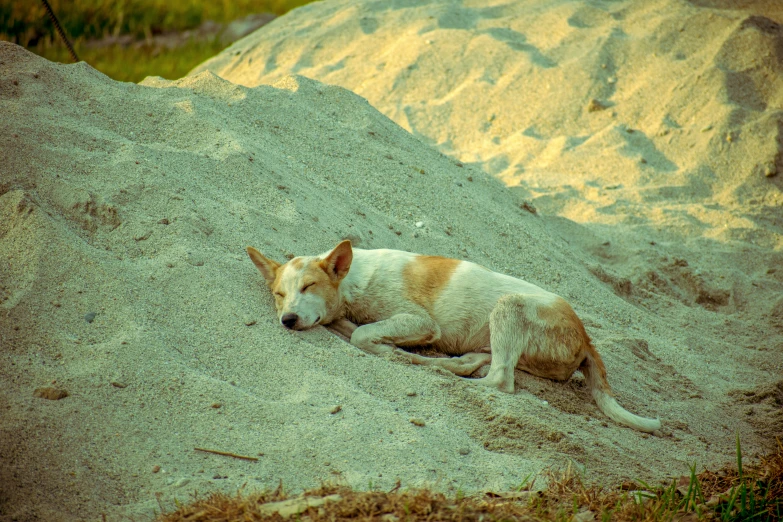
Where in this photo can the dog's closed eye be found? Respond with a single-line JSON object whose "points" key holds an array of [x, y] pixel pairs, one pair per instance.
{"points": [[278, 294], [308, 285]]}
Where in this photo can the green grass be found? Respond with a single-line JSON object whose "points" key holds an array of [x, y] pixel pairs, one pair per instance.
{"points": [[26, 23], [132, 64], [747, 493]]}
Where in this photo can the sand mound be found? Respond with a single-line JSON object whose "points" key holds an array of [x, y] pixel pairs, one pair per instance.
{"points": [[124, 212], [640, 108]]}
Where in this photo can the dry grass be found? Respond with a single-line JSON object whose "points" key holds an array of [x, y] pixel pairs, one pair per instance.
{"points": [[753, 492]]}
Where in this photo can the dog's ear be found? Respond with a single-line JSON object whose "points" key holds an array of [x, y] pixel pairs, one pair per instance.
{"points": [[338, 261], [267, 267]]}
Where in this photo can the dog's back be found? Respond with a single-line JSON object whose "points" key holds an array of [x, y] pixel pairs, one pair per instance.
{"points": [[458, 295]]}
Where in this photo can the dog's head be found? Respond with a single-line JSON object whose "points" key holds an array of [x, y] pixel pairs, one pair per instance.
{"points": [[306, 289]]}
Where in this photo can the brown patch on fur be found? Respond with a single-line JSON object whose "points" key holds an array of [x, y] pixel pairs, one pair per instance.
{"points": [[325, 286], [425, 277], [548, 368], [568, 331]]}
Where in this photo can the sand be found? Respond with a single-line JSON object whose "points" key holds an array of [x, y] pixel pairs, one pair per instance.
{"points": [[125, 210]]}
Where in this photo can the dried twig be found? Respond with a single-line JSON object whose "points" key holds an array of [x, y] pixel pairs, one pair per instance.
{"points": [[227, 454]]}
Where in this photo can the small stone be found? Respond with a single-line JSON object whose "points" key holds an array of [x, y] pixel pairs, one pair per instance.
{"points": [[194, 259], [90, 317], [336, 409], [216, 405], [52, 394], [163, 221], [706, 128], [464, 451], [249, 321], [117, 384], [419, 224], [410, 393], [470, 178], [525, 205], [143, 236], [155, 469], [595, 106], [417, 422]]}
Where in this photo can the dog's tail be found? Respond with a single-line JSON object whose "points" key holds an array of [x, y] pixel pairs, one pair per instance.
{"points": [[595, 373]]}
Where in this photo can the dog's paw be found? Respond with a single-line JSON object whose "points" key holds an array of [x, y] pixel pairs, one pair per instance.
{"points": [[470, 362], [492, 382]]}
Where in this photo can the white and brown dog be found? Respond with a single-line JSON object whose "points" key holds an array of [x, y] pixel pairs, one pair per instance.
{"points": [[456, 307]]}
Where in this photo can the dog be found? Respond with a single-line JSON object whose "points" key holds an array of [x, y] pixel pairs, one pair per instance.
{"points": [[386, 299]]}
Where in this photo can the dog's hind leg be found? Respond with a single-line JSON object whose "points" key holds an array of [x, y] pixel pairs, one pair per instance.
{"points": [[399, 330], [510, 332], [383, 337], [539, 338], [463, 365]]}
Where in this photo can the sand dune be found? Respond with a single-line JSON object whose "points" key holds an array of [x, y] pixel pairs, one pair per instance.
{"points": [[125, 210]]}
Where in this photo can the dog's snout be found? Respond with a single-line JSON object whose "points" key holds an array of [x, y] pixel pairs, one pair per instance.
{"points": [[289, 320]]}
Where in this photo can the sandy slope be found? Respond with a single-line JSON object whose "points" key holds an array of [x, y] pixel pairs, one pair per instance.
{"points": [[124, 212]]}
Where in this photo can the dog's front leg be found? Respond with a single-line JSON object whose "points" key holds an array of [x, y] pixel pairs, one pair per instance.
{"points": [[343, 327], [408, 329], [384, 336]]}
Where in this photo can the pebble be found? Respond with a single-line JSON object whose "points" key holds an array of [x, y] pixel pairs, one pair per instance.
{"points": [[194, 259], [419, 224], [155, 469], [595, 106], [216, 405], [90, 317], [417, 422], [249, 320], [336, 409], [410, 393], [118, 384], [52, 394], [464, 451]]}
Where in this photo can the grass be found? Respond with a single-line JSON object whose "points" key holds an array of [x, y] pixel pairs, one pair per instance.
{"points": [[26, 23], [747, 493], [85, 21], [134, 63]]}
